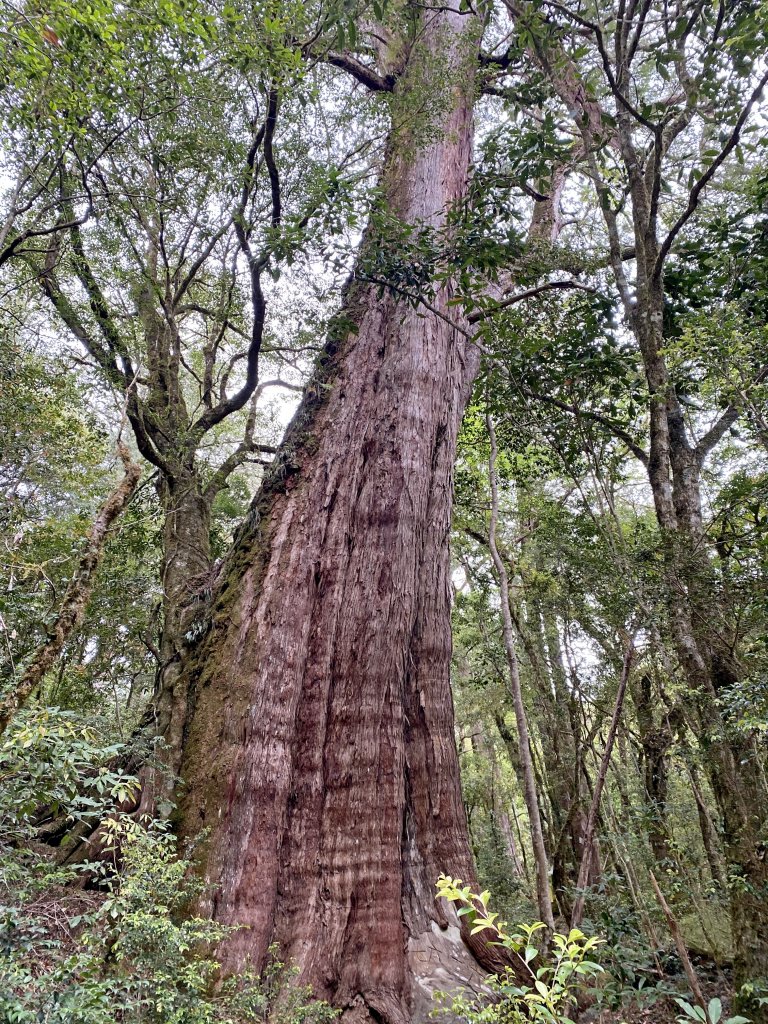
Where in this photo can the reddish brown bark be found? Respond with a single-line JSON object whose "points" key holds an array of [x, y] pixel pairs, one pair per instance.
{"points": [[320, 747]]}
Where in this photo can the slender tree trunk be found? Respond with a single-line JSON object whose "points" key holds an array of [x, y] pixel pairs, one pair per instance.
{"points": [[77, 594], [510, 844], [655, 741], [697, 624], [682, 950], [709, 835], [559, 727], [319, 751], [584, 868], [186, 577], [697, 628], [543, 898]]}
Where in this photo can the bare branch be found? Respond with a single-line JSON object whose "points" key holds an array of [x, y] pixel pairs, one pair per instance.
{"points": [[483, 314]]}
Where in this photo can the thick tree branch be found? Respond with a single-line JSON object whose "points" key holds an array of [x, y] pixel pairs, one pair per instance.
{"points": [[269, 157], [12, 248], [364, 74], [716, 432], [247, 446], [103, 357], [99, 305], [604, 421], [483, 314], [256, 265], [713, 436], [607, 69]]}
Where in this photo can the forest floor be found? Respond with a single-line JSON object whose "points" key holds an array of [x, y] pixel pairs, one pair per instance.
{"points": [[662, 1012], [714, 981]]}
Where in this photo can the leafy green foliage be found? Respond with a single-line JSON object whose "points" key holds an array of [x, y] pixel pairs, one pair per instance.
{"points": [[712, 1015], [129, 951], [556, 974], [139, 120], [55, 466], [133, 954], [53, 762]]}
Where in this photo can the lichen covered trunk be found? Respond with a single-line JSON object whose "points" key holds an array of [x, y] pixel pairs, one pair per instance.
{"points": [[186, 575], [186, 578], [319, 750]]}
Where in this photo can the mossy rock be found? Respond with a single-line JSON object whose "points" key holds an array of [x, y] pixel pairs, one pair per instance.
{"points": [[709, 933]]}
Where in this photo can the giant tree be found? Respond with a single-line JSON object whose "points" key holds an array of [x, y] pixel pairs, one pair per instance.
{"points": [[320, 752]]}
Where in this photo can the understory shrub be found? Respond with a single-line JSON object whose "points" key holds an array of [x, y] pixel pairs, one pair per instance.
{"points": [[558, 975], [127, 952]]}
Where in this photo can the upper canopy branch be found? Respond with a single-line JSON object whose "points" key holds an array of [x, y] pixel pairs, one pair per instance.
{"points": [[263, 137], [362, 73], [706, 177], [511, 300]]}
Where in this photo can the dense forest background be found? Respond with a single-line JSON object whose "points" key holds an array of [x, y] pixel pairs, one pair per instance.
{"points": [[511, 256]]}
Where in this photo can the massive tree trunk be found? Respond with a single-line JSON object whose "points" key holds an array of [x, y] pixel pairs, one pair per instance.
{"points": [[319, 749]]}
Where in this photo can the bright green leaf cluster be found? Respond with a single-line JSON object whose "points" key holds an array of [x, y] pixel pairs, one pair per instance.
{"points": [[555, 974]]}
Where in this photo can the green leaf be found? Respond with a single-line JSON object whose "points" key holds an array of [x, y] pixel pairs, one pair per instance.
{"points": [[695, 1013]]}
